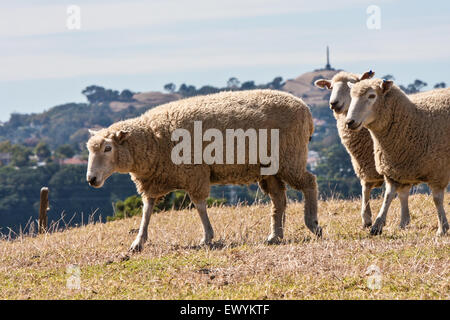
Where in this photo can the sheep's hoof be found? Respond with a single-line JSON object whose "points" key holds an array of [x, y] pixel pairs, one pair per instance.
{"points": [[137, 245], [440, 233], [318, 232], [404, 224], [273, 239], [314, 228], [367, 224], [205, 243], [443, 231], [377, 229]]}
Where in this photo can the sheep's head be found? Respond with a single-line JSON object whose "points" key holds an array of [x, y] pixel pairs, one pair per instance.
{"points": [[340, 92], [106, 156], [365, 96]]}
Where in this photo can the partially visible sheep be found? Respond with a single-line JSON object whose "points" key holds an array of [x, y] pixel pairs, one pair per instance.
{"points": [[411, 140], [359, 144], [143, 147]]}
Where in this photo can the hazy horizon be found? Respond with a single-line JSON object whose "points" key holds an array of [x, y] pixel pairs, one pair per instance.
{"points": [[142, 45]]}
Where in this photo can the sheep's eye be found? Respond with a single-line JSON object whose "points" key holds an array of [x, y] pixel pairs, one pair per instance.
{"points": [[108, 148], [371, 96]]}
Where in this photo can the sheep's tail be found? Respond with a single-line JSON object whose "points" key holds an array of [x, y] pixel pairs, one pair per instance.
{"points": [[311, 126]]}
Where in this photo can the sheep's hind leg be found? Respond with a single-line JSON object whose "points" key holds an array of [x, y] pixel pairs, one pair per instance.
{"points": [[306, 182], [276, 189], [380, 221], [207, 228], [147, 209], [366, 213], [403, 195], [438, 198]]}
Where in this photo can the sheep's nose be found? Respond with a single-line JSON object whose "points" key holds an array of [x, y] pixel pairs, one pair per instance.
{"points": [[92, 180], [349, 123], [333, 105]]}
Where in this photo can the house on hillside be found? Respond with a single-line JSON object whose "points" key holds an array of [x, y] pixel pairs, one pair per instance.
{"points": [[5, 158], [76, 160], [319, 122]]}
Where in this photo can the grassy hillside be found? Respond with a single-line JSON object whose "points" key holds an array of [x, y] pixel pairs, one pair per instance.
{"points": [[414, 263]]}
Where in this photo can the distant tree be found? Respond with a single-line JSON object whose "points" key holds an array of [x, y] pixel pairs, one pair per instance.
{"points": [[248, 85], [17, 120], [42, 151], [19, 153], [388, 77], [335, 163], [79, 138], [233, 83], [130, 207], [276, 83], [126, 95], [207, 90], [187, 91], [414, 87], [419, 84], [440, 85], [96, 94], [5, 146], [65, 151], [20, 156], [176, 200], [170, 87]]}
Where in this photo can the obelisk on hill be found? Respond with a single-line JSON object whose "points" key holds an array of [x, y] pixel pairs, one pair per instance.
{"points": [[328, 66]]}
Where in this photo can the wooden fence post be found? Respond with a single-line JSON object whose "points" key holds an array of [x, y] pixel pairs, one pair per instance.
{"points": [[43, 208]]}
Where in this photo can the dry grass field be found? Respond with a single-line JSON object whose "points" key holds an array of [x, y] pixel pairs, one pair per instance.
{"points": [[414, 263]]}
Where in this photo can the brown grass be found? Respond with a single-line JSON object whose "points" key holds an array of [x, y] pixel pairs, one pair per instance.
{"points": [[413, 262]]}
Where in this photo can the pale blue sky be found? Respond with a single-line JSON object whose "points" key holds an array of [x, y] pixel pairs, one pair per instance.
{"points": [[142, 45]]}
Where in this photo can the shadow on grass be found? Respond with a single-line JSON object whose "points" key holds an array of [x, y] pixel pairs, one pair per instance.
{"points": [[222, 244], [215, 245]]}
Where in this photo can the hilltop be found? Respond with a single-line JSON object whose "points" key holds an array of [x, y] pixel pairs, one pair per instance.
{"points": [[303, 86], [144, 99], [413, 263]]}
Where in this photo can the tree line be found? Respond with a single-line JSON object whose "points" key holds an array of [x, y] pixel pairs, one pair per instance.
{"points": [[233, 83]]}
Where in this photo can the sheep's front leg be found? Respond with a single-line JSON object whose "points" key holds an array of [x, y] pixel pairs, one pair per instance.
{"points": [[366, 213], [276, 189], [147, 209], [207, 228], [438, 198], [403, 195], [380, 221]]}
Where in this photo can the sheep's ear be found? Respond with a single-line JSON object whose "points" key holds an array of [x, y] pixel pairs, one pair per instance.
{"points": [[386, 85], [323, 83], [92, 132], [350, 84], [367, 75], [121, 136]]}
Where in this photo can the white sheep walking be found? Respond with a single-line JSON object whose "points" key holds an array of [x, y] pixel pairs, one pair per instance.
{"points": [[411, 140], [143, 147], [359, 144]]}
